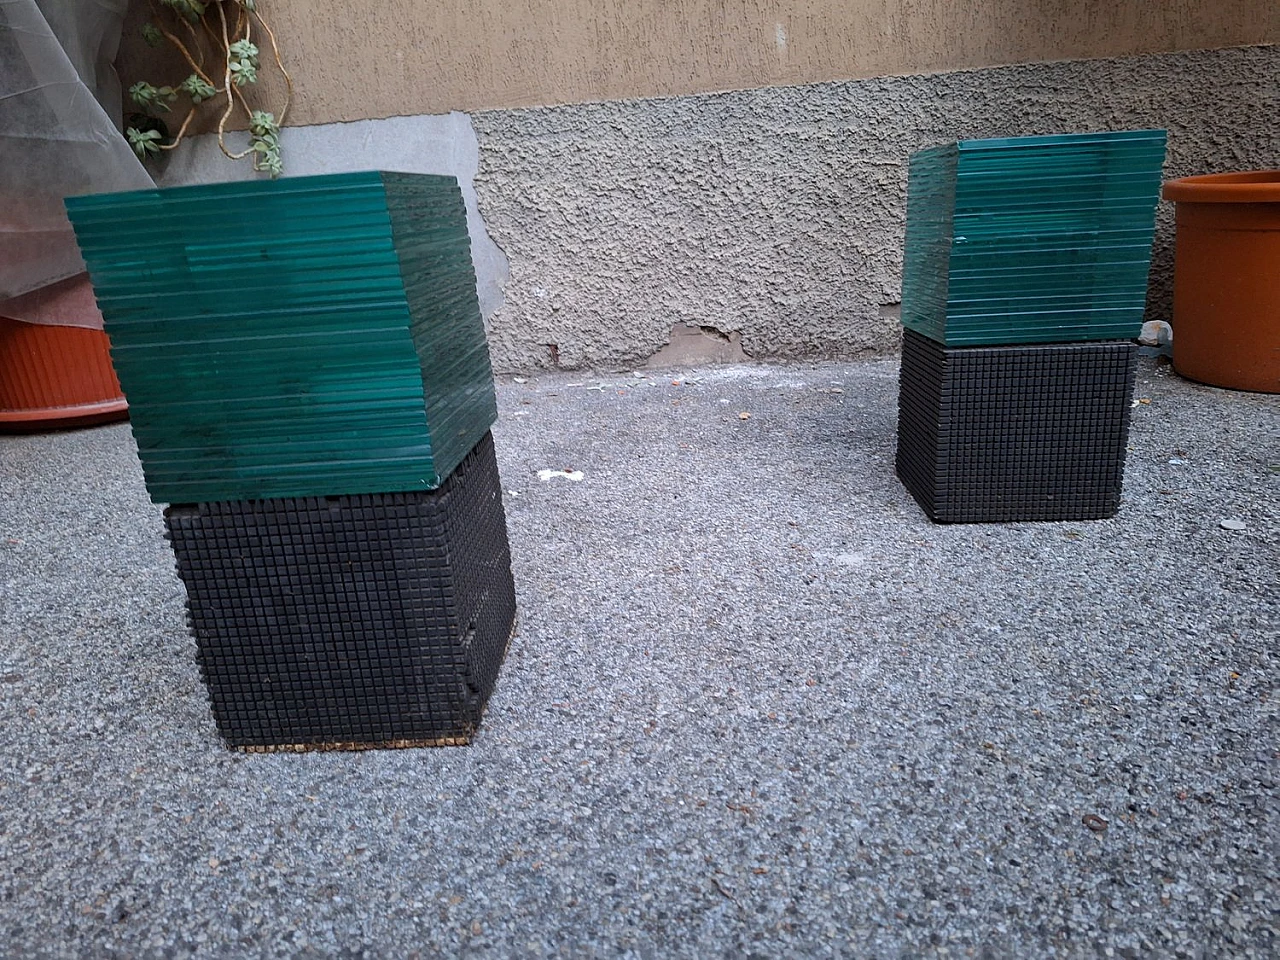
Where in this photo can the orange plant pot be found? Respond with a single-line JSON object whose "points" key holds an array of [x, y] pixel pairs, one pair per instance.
{"points": [[56, 376], [1226, 279]]}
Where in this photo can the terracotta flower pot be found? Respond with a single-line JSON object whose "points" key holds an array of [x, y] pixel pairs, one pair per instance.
{"points": [[56, 376], [1226, 279]]}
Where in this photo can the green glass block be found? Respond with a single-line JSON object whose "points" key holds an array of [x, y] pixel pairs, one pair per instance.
{"points": [[310, 336], [1031, 239]]}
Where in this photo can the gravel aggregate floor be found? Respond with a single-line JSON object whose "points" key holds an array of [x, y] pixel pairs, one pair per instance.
{"points": [[758, 706]]}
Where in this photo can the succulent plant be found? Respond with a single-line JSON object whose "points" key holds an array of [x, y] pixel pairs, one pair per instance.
{"points": [[217, 40]]}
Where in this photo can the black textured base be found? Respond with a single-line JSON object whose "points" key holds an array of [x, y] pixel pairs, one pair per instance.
{"points": [[1034, 432], [375, 620]]}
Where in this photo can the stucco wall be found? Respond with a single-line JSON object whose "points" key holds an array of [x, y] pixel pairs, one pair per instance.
{"points": [[388, 58], [777, 214]]}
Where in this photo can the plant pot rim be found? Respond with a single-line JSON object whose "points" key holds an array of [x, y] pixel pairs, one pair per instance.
{"points": [[1248, 186], [59, 418]]}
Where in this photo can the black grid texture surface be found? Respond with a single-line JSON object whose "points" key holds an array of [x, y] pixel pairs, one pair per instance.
{"points": [[352, 621], [1007, 433]]}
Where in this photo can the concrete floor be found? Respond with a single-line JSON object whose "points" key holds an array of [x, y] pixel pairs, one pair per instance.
{"points": [[758, 705]]}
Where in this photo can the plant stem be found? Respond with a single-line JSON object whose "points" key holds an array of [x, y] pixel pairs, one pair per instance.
{"points": [[231, 100], [182, 130], [288, 80], [195, 41], [186, 53]]}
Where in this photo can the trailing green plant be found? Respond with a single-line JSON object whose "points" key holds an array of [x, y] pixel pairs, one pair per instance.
{"points": [[218, 40]]}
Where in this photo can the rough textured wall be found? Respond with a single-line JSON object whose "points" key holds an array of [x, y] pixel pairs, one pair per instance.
{"points": [[777, 214], [385, 58]]}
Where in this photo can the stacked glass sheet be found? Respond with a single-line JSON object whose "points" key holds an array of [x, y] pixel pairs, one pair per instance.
{"points": [[1031, 239], [301, 337]]}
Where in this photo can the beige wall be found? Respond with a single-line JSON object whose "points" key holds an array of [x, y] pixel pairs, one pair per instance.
{"points": [[385, 58]]}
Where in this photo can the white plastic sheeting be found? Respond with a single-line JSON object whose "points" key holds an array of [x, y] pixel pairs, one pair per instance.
{"points": [[57, 139]]}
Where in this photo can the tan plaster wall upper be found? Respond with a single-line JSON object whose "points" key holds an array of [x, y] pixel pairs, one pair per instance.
{"points": [[384, 58]]}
